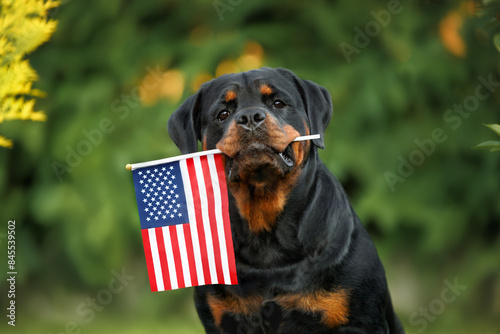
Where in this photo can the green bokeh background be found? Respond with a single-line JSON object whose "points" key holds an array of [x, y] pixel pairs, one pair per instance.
{"points": [[440, 224]]}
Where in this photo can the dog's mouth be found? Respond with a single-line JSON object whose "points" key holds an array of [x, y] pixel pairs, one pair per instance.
{"points": [[287, 156], [259, 163]]}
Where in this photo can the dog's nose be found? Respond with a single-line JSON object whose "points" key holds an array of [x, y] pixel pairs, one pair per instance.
{"points": [[251, 119]]}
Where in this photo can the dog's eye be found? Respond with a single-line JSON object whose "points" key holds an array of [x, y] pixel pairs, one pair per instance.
{"points": [[223, 115], [278, 104]]}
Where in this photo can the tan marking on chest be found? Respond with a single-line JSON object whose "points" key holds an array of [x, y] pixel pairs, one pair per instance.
{"points": [[333, 306], [233, 305]]}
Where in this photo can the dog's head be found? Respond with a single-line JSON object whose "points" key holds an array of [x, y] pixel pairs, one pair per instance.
{"points": [[253, 118]]}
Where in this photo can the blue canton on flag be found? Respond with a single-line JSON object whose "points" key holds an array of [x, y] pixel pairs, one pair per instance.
{"points": [[160, 196]]}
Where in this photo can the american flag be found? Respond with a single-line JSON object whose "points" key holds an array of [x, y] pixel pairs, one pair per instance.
{"points": [[184, 214]]}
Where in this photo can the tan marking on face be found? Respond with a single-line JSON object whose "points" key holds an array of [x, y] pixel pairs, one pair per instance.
{"points": [[266, 90], [277, 137], [204, 143], [230, 96], [260, 203]]}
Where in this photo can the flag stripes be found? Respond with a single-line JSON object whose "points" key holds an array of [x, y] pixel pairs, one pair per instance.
{"points": [[225, 222], [149, 259], [200, 252]]}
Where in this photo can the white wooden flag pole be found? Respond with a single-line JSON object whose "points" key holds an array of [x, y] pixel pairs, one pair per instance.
{"points": [[196, 154]]}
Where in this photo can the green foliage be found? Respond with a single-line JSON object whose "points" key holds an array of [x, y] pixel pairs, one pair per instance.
{"points": [[66, 185], [490, 12]]}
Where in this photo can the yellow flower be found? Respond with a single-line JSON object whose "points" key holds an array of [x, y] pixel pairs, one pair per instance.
{"points": [[23, 27]]}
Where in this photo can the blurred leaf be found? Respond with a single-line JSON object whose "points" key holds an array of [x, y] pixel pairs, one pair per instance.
{"points": [[496, 41], [493, 146], [494, 127]]}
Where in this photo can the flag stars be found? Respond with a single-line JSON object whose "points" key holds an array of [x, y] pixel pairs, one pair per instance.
{"points": [[159, 194]]}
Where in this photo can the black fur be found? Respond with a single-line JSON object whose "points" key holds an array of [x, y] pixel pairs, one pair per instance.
{"points": [[317, 243]]}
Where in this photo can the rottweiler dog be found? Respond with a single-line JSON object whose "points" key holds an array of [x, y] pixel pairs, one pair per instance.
{"points": [[305, 264]]}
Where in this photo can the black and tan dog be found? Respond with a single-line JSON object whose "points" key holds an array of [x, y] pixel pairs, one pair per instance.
{"points": [[305, 263]]}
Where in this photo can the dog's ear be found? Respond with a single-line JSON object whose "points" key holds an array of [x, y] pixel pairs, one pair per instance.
{"points": [[318, 105], [184, 124]]}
